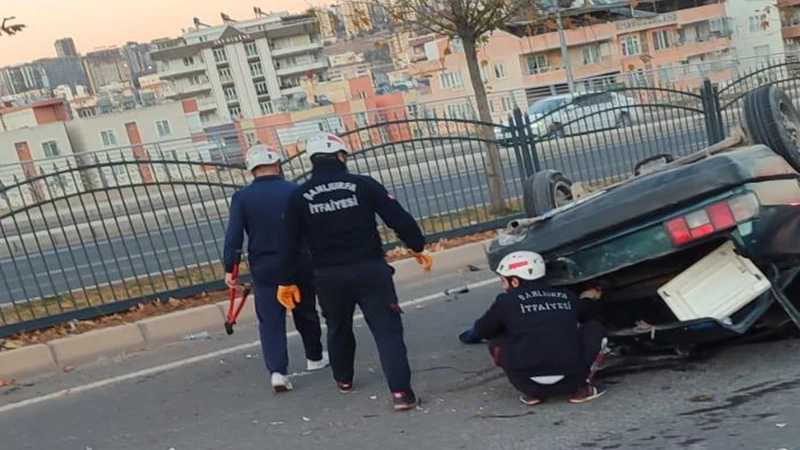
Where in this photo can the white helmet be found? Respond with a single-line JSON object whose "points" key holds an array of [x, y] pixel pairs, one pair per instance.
{"points": [[325, 144], [524, 265], [261, 155]]}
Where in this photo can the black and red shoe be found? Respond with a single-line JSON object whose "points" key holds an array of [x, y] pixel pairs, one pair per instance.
{"points": [[586, 393], [403, 401], [345, 387]]}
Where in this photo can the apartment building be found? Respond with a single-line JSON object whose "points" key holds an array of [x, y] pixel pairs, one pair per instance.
{"points": [[106, 67], [790, 27], [675, 48], [40, 139], [242, 69]]}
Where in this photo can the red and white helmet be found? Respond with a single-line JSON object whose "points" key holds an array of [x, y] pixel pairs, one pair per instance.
{"points": [[523, 265], [261, 155], [325, 144]]}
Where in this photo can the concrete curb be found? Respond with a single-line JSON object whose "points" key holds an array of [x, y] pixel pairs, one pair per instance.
{"points": [[153, 332]]}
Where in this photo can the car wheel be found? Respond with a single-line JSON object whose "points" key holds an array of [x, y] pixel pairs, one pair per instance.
{"points": [[624, 121], [772, 120], [545, 191]]}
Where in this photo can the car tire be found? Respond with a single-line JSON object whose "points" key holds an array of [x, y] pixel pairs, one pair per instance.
{"points": [[545, 191], [771, 119]]}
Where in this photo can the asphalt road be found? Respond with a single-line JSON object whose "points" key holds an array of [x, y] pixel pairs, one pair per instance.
{"points": [[183, 241], [224, 402]]}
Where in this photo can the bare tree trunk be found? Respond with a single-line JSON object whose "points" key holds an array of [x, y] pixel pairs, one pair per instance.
{"points": [[494, 166]]}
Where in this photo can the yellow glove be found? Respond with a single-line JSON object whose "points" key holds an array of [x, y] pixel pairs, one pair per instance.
{"points": [[288, 296], [425, 260]]}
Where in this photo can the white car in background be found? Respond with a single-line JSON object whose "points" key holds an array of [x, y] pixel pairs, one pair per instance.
{"points": [[570, 114]]}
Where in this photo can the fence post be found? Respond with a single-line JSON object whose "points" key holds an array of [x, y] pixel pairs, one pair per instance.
{"points": [[712, 115], [521, 143]]}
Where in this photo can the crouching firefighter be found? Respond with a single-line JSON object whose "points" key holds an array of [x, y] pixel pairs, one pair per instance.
{"points": [[538, 334], [335, 212], [258, 210]]}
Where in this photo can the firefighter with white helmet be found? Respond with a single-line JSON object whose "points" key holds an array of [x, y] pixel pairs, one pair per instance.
{"points": [[257, 210], [334, 211], [540, 335]]}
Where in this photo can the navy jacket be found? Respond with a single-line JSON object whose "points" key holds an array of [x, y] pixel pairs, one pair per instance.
{"points": [[335, 212], [538, 326], [259, 210]]}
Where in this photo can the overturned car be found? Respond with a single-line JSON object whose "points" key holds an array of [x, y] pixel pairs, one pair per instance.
{"points": [[694, 251]]}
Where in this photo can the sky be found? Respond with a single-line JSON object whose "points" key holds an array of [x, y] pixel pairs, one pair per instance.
{"points": [[96, 24]]}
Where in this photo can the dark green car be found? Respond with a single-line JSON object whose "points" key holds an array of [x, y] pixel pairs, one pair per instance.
{"points": [[702, 249]]}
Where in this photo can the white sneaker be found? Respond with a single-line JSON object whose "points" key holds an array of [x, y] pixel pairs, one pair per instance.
{"points": [[318, 365], [280, 383]]}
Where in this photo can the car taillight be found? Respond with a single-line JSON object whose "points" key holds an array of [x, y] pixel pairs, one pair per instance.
{"points": [[713, 218]]}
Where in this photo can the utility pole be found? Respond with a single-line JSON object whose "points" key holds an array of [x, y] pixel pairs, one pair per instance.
{"points": [[565, 52]]}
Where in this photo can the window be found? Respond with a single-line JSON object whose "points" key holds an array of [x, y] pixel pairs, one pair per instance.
{"points": [[755, 23], [236, 112], [451, 80], [195, 80], [261, 88], [266, 108], [361, 119], [661, 40], [188, 61], [220, 55], [250, 49], [251, 139], [225, 74], [163, 128], [630, 45], [109, 138], [457, 45], [500, 71], [508, 104], [538, 64], [230, 94], [256, 69], [591, 54], [50, 149], [457, 112]]}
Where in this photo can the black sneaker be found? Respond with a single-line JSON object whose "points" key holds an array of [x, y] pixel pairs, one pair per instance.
{"points": [[404, 400], [344, 387], [586, 393]]}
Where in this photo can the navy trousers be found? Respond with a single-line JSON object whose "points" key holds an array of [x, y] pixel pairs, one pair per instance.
{"points": [[370, 286], [272, 325]]}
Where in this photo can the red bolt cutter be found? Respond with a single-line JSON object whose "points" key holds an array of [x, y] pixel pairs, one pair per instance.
{"points": [[233, 309]]}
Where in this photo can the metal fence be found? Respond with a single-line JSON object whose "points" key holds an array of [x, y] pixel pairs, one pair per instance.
{"points": [[94, 235]]}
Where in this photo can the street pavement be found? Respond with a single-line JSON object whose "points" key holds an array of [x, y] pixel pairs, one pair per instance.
{"points": [[182, 242], [742, 398]]}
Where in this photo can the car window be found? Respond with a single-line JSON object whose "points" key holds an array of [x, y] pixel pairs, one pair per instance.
{"points": [[545, 107]]}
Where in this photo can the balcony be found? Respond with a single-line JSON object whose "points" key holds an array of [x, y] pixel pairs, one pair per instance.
{"points": [[184, 92], [301, 68], [180, 71], [206, 104], [791, 31], [702, 46], [288, 90], [295, 49]]}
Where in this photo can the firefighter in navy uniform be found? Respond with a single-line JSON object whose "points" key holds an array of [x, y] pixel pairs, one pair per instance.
{"points": [[258, 211], [335, 212], [541, 336]]}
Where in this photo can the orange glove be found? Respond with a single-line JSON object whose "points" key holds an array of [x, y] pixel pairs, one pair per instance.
{"points": [[288, 296], [425, 260]]}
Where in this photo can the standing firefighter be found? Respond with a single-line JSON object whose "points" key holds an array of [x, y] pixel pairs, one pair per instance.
{"points": [[335, 212], [258, 210]]}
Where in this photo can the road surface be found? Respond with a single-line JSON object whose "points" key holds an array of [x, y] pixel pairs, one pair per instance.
{"points": [[185, 241], [223, 401]]}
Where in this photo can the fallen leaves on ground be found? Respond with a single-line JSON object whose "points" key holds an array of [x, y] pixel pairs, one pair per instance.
{"points": [[161, 307], [703, 398], [7, 383]]}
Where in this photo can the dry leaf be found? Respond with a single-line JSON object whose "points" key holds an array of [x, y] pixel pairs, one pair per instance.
{"points": [[6, 383], [67, 369], [703, 398], [11, 344]]}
